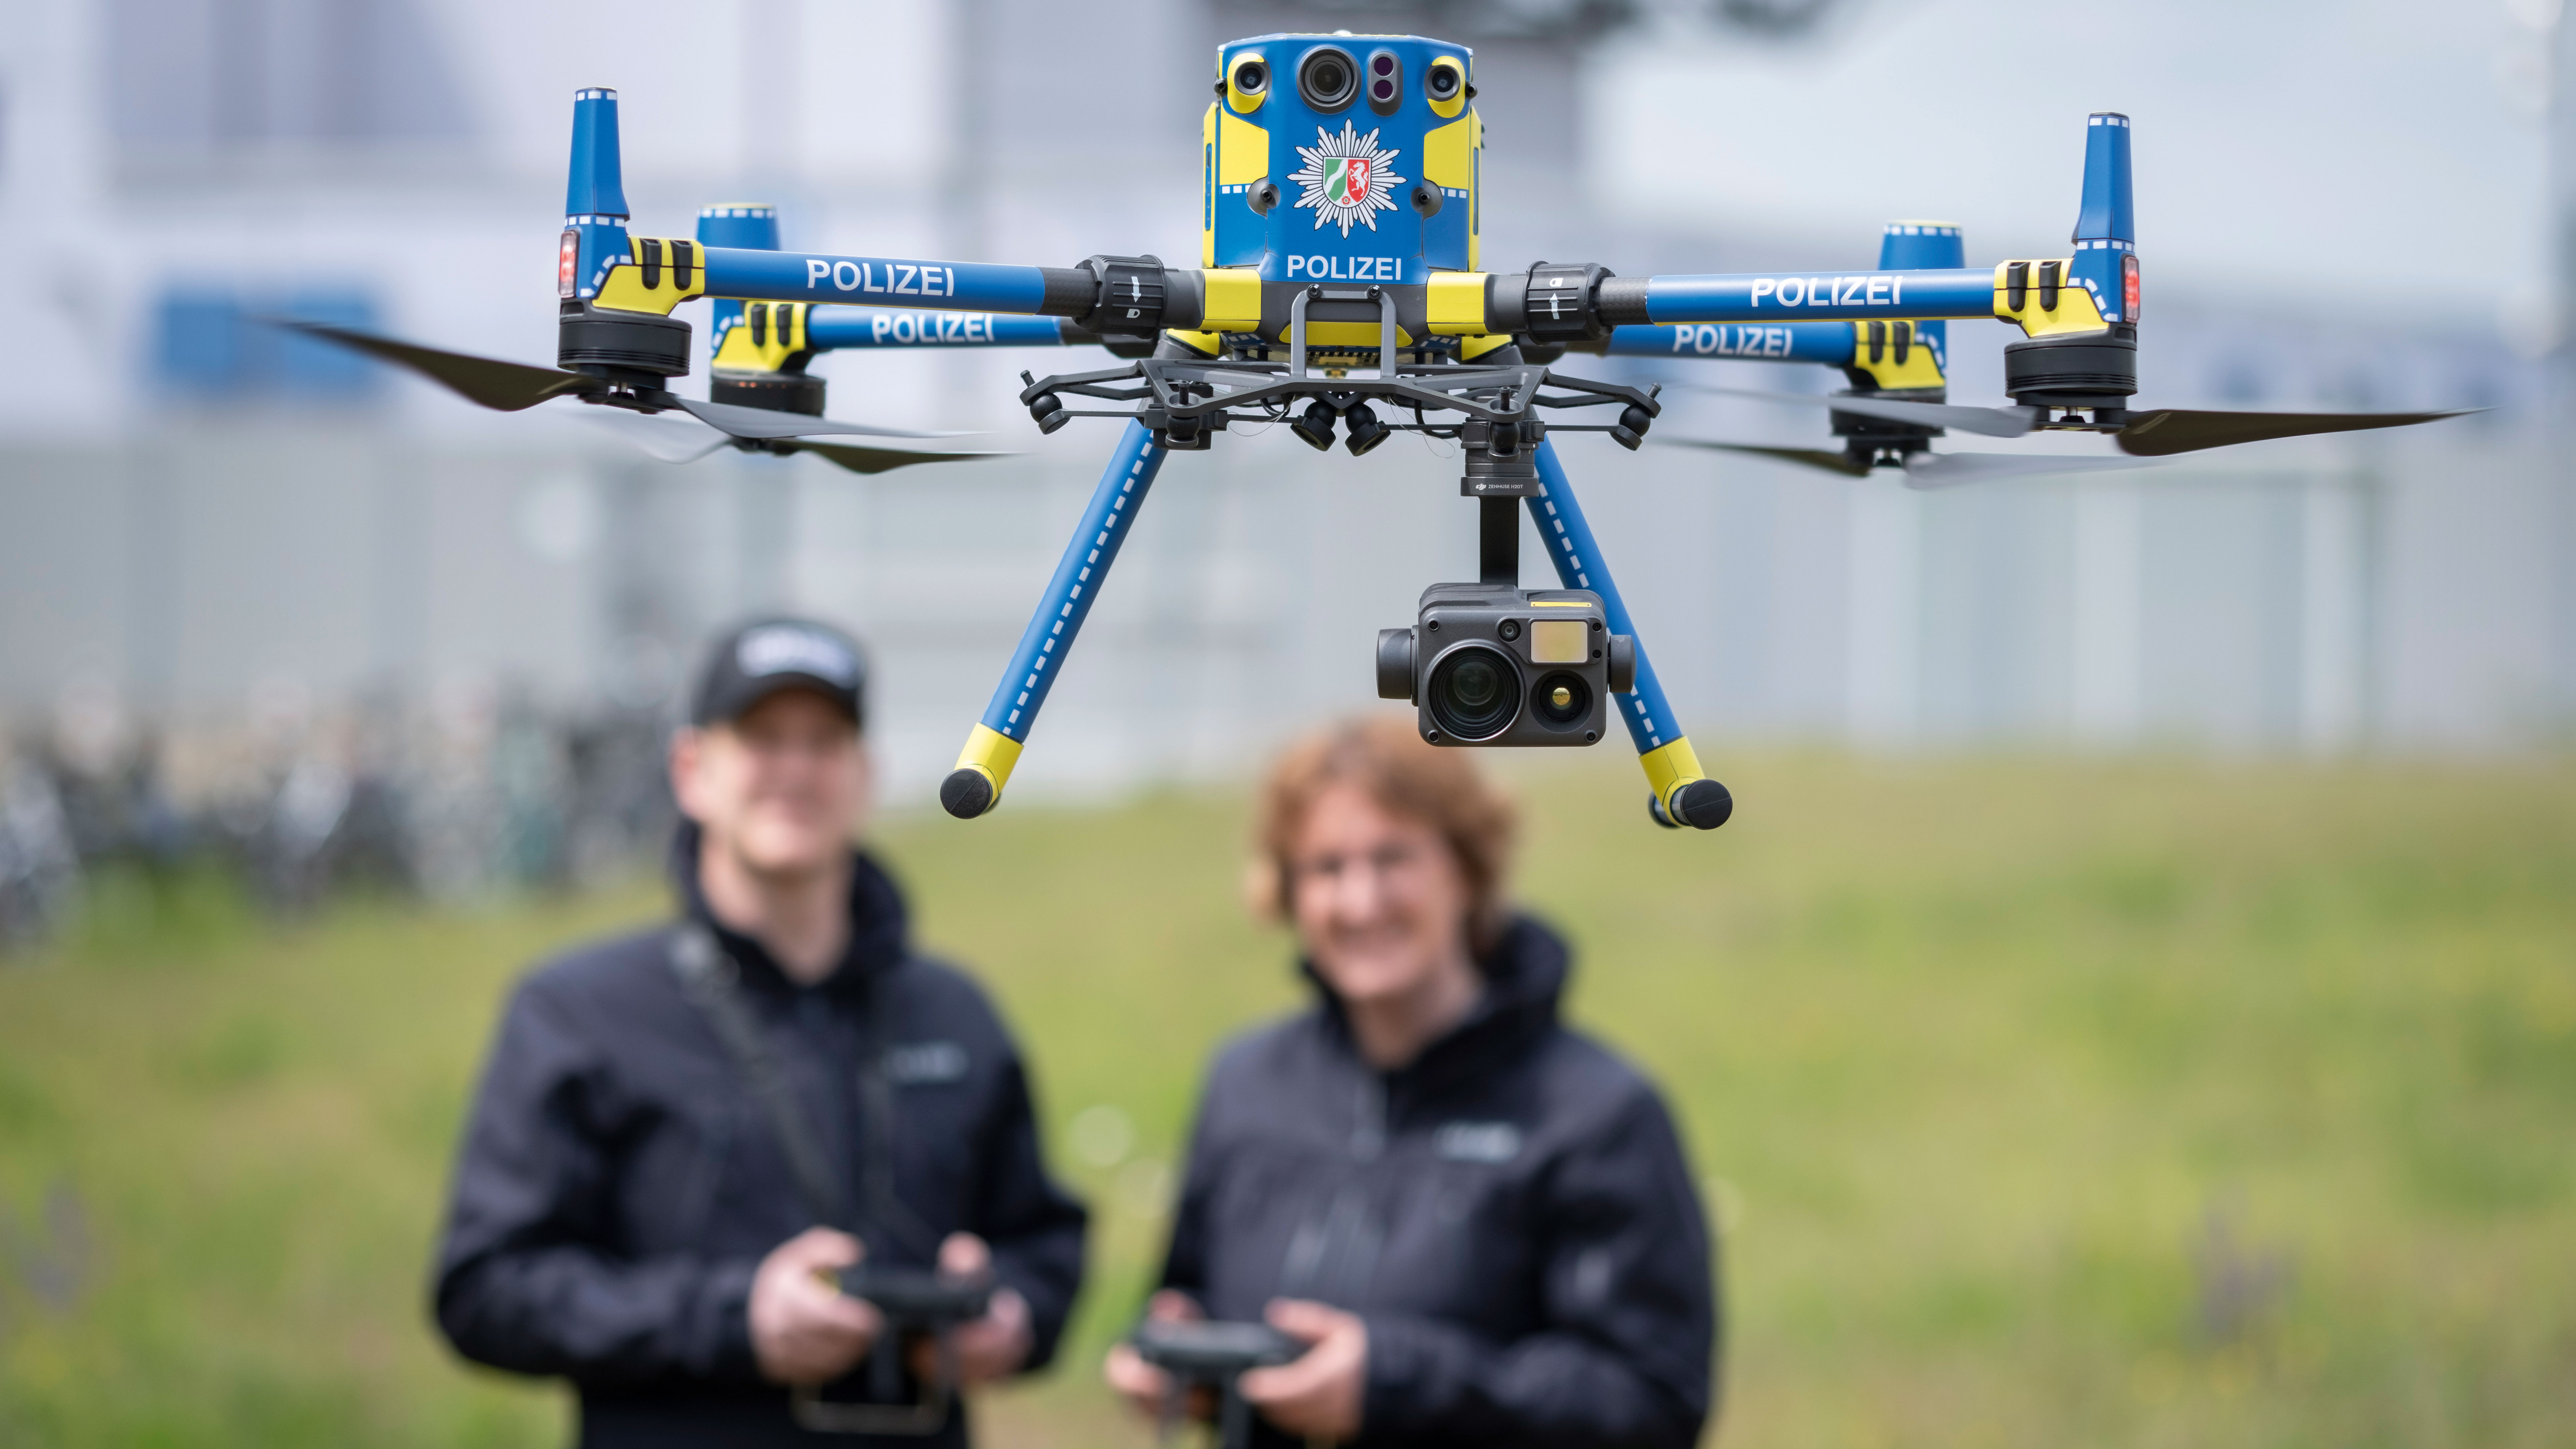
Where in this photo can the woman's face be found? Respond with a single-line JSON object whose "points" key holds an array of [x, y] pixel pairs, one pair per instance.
{"points": [[1378, 898]]}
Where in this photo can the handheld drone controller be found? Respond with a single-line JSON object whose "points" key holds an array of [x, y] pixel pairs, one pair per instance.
{"points": [[917, 1304], [913, 1299], [1199, 1352]]}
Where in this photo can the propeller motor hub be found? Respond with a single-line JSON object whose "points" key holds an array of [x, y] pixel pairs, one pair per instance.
{"points": [[602, 340], [2074, 370]]}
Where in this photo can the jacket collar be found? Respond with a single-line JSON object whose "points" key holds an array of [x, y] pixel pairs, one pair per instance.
{"points": [[1525, 974], [879, 923]]}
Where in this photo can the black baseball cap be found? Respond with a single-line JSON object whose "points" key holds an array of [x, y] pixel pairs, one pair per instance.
{"points": [[765, 656]]}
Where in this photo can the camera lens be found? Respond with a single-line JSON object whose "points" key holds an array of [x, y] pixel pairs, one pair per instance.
{"points": [[1441, 83], [1328, 78], [1561, 700], [1474, 692], [1251, 77]]}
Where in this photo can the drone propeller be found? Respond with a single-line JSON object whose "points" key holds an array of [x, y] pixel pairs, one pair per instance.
{"points": [[743, 422], [1949, 470], [1932, 470], [674, 440], [2157, 434], [513, 386], [861, 459], [504, 386], [664, 439], [2182, 430], [1831, 462]]}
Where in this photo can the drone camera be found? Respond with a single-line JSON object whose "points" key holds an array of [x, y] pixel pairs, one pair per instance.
{"points": [[1441, 82], [1246, 84], [1490, 664], [1363, 430], [1385, 82], [1314, 426], [1328, 79]]}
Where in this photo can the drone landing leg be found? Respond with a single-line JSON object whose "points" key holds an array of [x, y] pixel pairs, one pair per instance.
{"points": [[984, 767], [1682, 795]]}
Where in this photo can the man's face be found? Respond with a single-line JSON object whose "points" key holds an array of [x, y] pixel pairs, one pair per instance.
{"points": [[784, 787]]}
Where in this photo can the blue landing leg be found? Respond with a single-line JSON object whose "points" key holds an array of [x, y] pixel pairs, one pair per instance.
{"points": [[1682, 795], [984, 767]]}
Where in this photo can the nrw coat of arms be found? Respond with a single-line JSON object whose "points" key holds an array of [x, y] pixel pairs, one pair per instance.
{"points": [[1346, 178]]}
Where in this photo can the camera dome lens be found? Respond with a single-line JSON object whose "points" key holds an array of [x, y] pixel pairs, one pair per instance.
{"points": [[1561, 700], [1328, 78], [1474, 692], [1251, 77], [1442, 82]]}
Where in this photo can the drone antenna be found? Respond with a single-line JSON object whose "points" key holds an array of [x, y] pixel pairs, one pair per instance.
{"points": [[594, 196]]}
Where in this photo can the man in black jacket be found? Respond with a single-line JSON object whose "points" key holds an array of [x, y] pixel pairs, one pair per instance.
{"points": [[630, 1211]]}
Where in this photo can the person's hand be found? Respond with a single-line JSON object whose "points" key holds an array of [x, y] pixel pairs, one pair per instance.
{"points": [[1318, 1394], [804, 1330], [1139, 1382], [987, 1348]]}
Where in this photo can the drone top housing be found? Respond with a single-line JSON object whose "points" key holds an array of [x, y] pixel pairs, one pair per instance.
{"points": [[1490, 664]]}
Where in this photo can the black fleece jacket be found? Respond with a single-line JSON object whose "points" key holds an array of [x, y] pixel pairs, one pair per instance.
{"points": [[1511, 1214], [619, 1182]]}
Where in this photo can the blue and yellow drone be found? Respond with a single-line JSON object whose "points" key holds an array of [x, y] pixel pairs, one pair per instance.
{"points": [[1338, 291]]}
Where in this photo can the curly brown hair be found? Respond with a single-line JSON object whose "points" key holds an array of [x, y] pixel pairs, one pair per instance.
{"points": [[1383, 755]]}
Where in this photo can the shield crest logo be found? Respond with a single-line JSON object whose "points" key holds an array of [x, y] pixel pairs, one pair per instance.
{"points": [[1346, 180]]}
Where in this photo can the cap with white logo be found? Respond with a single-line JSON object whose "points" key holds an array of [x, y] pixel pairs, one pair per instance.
{"points": [[768, 655]]}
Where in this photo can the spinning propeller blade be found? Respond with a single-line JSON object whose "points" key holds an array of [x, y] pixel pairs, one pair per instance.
{"points": [[2156, 434], [1949, 470], [1989, 422], [506, 386], [2178, 430], [859, 459], [1842, 463], [666, 439], [1933, 470], [743, 422]]}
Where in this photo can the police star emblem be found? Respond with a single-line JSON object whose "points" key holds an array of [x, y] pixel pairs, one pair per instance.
{"points": [[1346, 178]]}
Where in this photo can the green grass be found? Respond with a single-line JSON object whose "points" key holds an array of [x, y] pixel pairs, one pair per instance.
{"points": [[1972, 1056]]}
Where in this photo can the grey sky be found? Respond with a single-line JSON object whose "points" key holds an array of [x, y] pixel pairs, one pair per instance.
{"points": [[2362, 152]]}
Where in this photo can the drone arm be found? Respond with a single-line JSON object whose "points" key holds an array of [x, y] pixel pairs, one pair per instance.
{"points": [[1829, 343], [844, 329], [1682, 793], [1820, 297], [984, 767]]}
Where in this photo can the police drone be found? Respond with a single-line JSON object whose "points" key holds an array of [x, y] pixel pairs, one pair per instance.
{"points": [[1339, 290]]}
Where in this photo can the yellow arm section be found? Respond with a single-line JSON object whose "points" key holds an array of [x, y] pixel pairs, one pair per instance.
{"points": [[1455, 305], [1233, 300], [1919, 369], [766, 347], [624, 289], [2074, 311]]}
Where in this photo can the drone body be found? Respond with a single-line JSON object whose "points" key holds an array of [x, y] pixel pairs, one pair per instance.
{"points": [[1338, 290]]}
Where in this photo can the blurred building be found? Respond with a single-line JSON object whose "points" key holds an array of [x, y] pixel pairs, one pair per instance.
{"points": [[195, 508]]}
